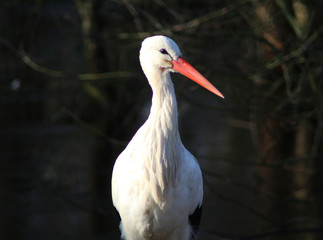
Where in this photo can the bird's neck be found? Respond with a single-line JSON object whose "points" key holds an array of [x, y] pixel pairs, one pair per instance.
{"points": [[164, 145], [163, 112]]}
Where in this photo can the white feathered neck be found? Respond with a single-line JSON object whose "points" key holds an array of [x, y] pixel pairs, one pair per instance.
{"points": [[162, 139]]}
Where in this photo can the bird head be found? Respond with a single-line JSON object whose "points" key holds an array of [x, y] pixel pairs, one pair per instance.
{"points": [[160, 54]]}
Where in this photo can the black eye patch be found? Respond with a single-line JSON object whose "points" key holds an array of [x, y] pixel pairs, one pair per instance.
{"points": [[163, 51]]}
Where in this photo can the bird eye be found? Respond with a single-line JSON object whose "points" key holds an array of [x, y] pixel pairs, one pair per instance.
{"points": [[163, 51]]}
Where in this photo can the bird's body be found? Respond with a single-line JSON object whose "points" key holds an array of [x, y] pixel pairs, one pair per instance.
{"points": [[157, 184]]}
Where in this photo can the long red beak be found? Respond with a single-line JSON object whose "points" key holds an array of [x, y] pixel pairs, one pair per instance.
{"points": [[187, 70]]}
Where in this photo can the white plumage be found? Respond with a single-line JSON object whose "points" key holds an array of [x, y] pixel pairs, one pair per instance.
{"points": [[157, 183]]}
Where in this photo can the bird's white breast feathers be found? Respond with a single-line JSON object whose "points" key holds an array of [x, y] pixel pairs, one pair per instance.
{"points": [[139, 191]]}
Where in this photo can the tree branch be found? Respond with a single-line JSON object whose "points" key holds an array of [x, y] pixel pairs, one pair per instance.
{"points": [[59, 74]]}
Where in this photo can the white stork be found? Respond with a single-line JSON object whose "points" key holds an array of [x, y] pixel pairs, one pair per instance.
{"points": [[157, 184]]}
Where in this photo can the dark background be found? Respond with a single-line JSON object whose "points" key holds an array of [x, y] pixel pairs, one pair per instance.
{"points": [[72, 94]]}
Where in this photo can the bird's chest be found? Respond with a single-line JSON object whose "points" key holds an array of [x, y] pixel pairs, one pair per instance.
{"points": [[161, 215], [153, 190], [153, 161]]}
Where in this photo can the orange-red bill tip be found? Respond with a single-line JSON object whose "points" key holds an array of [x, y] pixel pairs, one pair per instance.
{"points": [[187, 70]]}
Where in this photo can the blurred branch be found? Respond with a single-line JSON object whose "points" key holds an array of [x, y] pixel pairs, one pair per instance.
{"points": [[318, 134], [59, 74], [170, 10], [200, 20], [78, 204], [152, 20], [134, 13], [296, 53], [236, 202], [291, 19], [183, 26], [106, 75], [267, 194], [92, 129], [97, 94], [313, 79], [27, 60]]}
